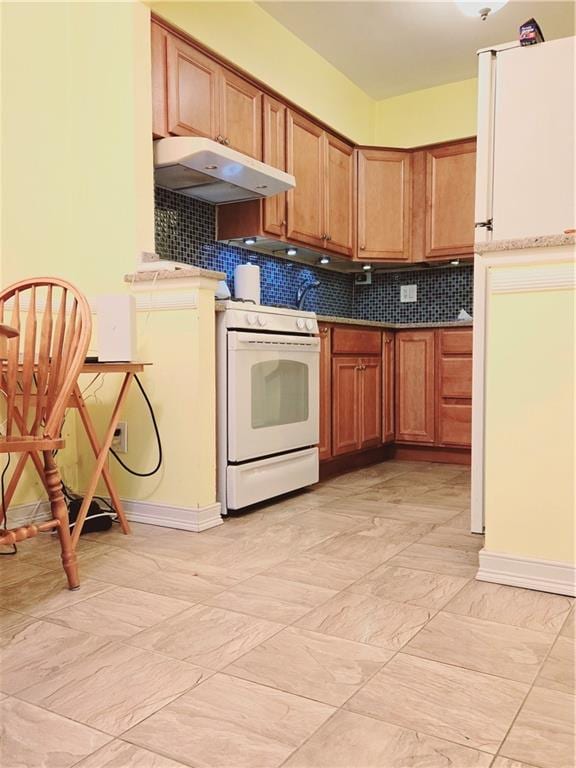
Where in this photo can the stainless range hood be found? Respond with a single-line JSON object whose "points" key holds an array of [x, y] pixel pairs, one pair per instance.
{"points": [[209, 171]]}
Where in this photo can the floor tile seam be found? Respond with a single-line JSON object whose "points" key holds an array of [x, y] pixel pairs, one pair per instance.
{"points": [[155, 752], [423, 733], [18, 697], [405, 649], [49, 618], [552, 634], [118, 735], [400, 727], [530, 689], [110, 642], [224, 670], [64, 590]]}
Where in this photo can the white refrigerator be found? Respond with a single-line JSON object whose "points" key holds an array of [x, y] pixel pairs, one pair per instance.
{"points": [[525, 173]]}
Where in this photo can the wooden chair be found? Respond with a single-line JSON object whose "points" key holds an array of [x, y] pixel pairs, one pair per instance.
{"points": [[43, 345]]}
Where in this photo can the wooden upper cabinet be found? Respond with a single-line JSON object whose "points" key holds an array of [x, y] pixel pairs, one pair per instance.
{"points": [[384, 205], [305, 160], [192, 90], [325, 442], [450, 173], [274, 153], [241, 114], [387, 387], [339, 203], [159, 102], [415, 386]]}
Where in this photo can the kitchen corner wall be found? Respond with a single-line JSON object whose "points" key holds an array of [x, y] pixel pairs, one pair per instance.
{"points": [[185, 231]]}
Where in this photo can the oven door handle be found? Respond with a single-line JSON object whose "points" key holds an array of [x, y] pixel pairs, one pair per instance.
{"points": [[238, 340]]}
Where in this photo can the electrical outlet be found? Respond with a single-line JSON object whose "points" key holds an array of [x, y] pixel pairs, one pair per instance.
{"points": [[408, 293], [120, 439]]}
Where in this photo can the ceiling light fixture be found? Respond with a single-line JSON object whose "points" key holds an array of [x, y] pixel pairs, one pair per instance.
{"points": [[482, 9], [249, 240], [291, 251], [324, 260]]}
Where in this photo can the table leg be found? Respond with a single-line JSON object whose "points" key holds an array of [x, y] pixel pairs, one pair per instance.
{"points": [[101, 458], [93, 439]]}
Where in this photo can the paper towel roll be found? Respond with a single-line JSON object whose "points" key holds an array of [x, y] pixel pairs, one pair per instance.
{"points": [[247, 282]]}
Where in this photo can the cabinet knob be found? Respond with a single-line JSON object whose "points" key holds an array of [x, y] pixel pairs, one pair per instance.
{"points": [[284, 222], [219, 138], [362, 247], [328, 237], [226, 141], [324, 331]]}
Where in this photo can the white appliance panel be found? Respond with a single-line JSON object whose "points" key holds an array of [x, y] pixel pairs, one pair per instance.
{"points": [[534, 161], [259, 480], [273, 393]]}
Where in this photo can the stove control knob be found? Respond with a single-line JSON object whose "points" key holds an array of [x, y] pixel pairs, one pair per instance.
{"points": [[309, 325], [300, 324], [250, 319], [261, 320]]}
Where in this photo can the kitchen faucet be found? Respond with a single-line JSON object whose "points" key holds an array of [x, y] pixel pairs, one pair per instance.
{"points": [[303, 290]]}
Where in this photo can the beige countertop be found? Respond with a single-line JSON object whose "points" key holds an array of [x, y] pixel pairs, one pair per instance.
{"points": [[173, 274], [379, 324], [540, 241]]}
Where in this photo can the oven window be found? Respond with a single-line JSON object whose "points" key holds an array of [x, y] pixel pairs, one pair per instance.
{"points": [[279, 393]]}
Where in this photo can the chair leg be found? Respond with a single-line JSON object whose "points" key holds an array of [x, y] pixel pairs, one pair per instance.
{"points": [[60, 513]]}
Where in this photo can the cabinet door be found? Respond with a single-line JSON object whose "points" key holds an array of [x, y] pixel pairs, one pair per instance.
{"points": [[387, 387], [340, 196], [305, 159], [450, 192], [241, 114], [384, 205], [454, 387], [274, 153], [192, 81], [415, 393], [159, 104], [345, 405], [370, 402], [325, 444]]}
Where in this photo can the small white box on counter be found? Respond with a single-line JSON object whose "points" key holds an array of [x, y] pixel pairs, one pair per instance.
{"points": [[116, 316]]}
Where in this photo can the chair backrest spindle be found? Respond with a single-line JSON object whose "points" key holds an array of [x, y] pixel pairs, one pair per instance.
{"points": [[40, 367]]}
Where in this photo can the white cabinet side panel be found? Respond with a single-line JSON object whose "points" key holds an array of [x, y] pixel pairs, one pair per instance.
{"points": [[534, 160]]}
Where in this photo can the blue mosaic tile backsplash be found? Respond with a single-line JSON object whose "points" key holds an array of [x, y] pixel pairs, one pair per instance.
{"points": [[185, 231]]}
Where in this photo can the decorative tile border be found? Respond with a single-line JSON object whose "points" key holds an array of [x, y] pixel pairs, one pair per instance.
{"points": [[185, 231]]}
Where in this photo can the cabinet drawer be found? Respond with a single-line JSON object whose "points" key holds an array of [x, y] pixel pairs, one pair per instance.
{"points": [[456, 377], [457, 342], [349, 341], [455, 424]]}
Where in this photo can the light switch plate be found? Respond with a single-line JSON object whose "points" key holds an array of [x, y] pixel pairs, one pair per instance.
{"points": [[408, 293]]}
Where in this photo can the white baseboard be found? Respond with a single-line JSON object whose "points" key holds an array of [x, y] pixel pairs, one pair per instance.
{"points": [[184, 518], [25, 514], [527, 572]]}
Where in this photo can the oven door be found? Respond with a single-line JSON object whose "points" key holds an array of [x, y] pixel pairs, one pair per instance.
{"points": [[273, 393]]}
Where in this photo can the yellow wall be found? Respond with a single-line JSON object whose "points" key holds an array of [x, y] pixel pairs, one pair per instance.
{"points": [[428, 116], [530, 385], [252, 39], [77, 202]]}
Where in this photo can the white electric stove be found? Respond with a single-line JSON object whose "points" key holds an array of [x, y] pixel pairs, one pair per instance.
{"points": [[268, 402]]}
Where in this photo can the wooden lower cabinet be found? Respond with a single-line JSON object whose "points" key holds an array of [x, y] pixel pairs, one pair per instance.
{"points": [[356, 403], [402, 387], [387, 387], [454, 387], [325, 443], [415, 386]]}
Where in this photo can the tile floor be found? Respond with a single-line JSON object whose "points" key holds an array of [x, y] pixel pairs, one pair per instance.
{"points": [[339, 628]]}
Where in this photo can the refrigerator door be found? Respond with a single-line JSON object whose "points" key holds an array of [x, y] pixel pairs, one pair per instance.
{"points": [[533, 141]]}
